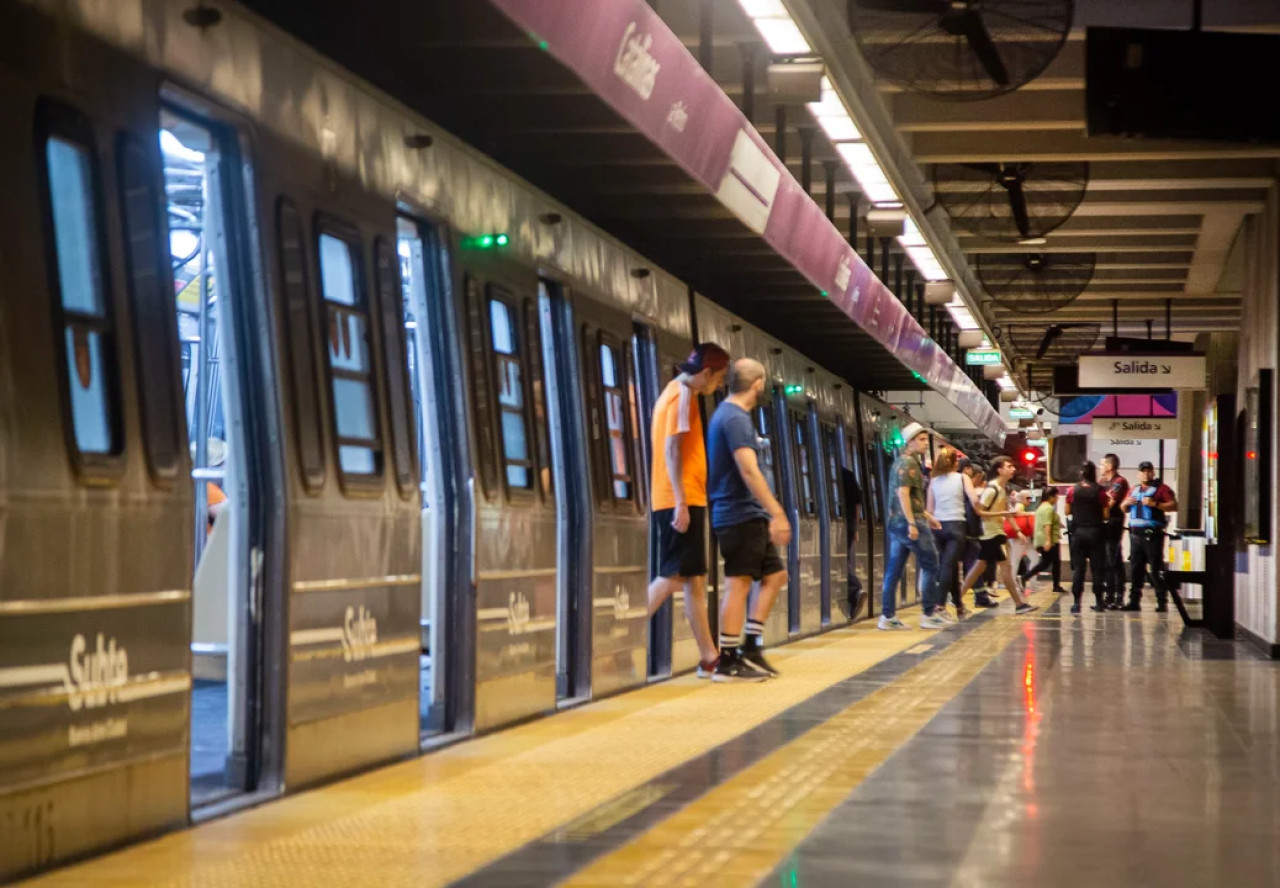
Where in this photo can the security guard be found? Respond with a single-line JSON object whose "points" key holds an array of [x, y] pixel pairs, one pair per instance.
{"points": [[1148, 505]]}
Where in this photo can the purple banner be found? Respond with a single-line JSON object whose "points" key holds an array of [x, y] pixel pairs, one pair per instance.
{"points": [[625, 52]]}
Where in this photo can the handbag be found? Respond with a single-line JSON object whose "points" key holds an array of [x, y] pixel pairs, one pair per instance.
{"points": [[972, 523]]}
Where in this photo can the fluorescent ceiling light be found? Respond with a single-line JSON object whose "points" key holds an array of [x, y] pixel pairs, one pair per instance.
{"points": [[962, 318], [871, 179], [926, 263], [1006, 383], [832, 115], [776, 26]]}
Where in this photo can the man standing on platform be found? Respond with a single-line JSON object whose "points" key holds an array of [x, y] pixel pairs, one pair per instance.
{"points": [[910, 529], [678, 493], [750, 525], [1148, 505], [1116, 488]]}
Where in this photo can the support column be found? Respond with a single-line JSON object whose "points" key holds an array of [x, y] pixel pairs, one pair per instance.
{"points": [[706, 33], [748, 52], [806, 158], [829, 167], [780, 133]]}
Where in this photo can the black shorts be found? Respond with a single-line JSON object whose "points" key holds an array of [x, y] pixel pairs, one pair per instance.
{"points": [[992, 550], [748, 551], [682, 554]]}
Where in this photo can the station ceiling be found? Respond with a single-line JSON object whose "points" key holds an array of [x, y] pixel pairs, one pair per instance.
{"points": [[467, 68]]}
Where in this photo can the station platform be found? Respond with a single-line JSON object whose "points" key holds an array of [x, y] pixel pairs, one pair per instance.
{"points": [[1112, 749]]}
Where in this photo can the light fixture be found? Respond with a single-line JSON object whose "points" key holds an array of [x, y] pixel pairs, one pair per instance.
{"points": [[962, 318], [871, 179], [832, 116], [776, 26]]}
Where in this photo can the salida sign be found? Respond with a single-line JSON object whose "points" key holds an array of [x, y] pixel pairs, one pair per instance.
{"points": [[1145, 428], [1142, 371]]}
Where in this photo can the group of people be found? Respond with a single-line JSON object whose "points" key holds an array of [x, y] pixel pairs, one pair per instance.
{"points": [[1097, 507], [722, 473], [960, 519], [961, 516]]}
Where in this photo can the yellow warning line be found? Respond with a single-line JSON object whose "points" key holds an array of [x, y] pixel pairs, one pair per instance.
{"points": [[738, 832], [433, 819]]}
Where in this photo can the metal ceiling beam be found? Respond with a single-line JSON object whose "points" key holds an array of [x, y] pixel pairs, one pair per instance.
{"points": [[1032, 146]]}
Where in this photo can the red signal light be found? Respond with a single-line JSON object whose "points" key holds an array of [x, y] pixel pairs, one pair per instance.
{"points": [[1030, 455]]}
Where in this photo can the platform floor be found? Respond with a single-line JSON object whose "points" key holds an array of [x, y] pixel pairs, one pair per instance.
{"points": [[1114, 749]]}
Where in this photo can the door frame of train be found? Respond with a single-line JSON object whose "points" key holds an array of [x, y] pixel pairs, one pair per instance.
{"points": [[790, 502], [822, 505], [264, 537], [453, 670], [646, 364], [562, 372], [861, 462]]}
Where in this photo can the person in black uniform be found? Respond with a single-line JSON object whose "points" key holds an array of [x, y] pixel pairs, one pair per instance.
{"points": [[1087, 509]]}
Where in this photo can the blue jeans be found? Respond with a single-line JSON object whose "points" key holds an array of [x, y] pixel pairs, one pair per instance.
{"points": [[951, 541], [900, 545]]}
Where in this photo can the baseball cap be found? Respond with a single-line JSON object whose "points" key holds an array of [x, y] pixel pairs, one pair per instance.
{"points": [[705, 356], [1146, 466], [912, 429]]}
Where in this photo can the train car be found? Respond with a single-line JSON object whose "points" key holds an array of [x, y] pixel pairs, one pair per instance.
{"points": [[324, 438]]}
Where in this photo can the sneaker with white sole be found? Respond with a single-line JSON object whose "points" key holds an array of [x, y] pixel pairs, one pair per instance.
{"points": [[932, 622], [890, 624], [1024, 608], [943, 614], [731, 667], [707, 669]]}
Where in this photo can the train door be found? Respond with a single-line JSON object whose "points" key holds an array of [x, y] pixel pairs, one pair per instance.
{"points": [[856, 513], [777, 627], [228, 440], [835, 552], [808, 533], [877, 539], [515, 522], [619, 539], [644, 363], [430, 352]]}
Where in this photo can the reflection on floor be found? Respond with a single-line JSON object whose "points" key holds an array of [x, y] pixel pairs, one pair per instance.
{"points": [[209, 743]]}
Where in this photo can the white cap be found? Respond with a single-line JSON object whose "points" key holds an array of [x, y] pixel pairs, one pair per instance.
{"points": [[912, 429]]}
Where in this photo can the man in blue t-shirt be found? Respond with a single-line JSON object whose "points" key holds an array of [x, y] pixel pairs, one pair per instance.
{"points": [[749, 525]]}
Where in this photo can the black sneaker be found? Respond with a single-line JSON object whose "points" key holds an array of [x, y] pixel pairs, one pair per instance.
{"points": [[754, 655], [984, 601], [1131, 606], [733, 668], [1162, 608], [1075, 608]]}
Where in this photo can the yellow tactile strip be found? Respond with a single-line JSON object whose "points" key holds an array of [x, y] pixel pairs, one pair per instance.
{"points": [[739, 831], [433, 819]]}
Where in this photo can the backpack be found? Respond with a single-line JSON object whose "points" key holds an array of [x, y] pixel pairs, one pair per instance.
{"points": [[972, 523]]}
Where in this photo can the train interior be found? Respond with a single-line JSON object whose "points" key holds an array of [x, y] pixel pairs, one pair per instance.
{"points": [[197, 201]]}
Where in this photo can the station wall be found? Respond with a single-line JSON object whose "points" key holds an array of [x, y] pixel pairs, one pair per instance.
{"points": [[1257, 592]]}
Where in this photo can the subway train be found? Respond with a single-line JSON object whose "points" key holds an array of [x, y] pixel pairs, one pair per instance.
{"points": [[323, 438]]}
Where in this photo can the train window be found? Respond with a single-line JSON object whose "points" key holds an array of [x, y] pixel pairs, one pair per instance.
{"points": [[150, 286], [355, 411], [830, 443], [634, 362], [541, 433], [508, 372], [79, 272], [764, 426], [803, 461], [399, 408], [302, 356], [618, 444], [480, 380]]}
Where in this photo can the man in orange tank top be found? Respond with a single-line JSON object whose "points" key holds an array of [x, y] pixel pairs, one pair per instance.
{"points": [[679, 493]]}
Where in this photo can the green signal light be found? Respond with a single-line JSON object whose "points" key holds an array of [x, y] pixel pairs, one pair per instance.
{"points": [[486, 241], [794, 389]]}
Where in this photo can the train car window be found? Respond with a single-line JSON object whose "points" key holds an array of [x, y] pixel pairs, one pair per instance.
{"points": [[830, 443], [399, 408], [302, 355], [804, 464], [764, 427], [618, 444], [541, 432], [79, 274], [509, 376], [355, 411], [150, 287], [485, 444], [873, 484]]}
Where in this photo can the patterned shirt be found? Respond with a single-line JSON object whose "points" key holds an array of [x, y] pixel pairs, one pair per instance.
{"points": [[906, 472]]}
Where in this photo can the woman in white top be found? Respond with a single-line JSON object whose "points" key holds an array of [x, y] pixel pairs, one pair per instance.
{"points": [[947, 491]]}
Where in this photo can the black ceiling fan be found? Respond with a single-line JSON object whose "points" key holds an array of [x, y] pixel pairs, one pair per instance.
{"points": [[1010, 201], [960, 49], [1053, 331]]}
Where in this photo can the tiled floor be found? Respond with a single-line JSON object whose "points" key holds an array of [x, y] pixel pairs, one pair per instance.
{"points": [[1112, 749]]}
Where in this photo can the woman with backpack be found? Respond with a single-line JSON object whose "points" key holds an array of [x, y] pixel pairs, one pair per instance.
{"points": [[1087, 509]]}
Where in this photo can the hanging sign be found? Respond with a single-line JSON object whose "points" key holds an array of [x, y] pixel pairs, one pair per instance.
{"points": [[1116, 372], [981, 357], [1141, 428], [1021, 413]]}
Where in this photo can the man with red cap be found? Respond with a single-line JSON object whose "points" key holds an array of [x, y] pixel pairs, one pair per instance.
{"points": [[678, 493]]}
